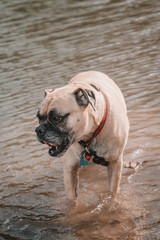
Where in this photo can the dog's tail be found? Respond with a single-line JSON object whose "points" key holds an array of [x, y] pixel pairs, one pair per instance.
{"points": [[131, 164]]}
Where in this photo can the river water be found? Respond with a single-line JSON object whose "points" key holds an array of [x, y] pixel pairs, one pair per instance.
{"points": [[42, 45]]}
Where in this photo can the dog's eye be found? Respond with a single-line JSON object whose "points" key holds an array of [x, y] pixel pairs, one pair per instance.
{"points": [[57, 119], [54, 118]]}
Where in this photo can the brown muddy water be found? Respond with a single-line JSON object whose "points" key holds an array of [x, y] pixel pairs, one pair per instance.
{"points": [[42, 45]]}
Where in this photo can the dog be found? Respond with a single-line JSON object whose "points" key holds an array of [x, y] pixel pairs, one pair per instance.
{"points": [[82, 122]]}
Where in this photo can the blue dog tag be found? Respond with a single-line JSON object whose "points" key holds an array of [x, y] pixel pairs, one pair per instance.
{"points": [[83, 162]]}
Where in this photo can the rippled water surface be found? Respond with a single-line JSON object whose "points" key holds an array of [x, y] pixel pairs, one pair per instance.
{"points": [[42, 45]]}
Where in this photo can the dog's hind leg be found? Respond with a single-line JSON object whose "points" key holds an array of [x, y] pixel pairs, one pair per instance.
{"points": [[114, 175]]}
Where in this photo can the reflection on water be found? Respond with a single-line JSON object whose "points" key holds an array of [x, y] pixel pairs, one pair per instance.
{"points": [[44, 44]]}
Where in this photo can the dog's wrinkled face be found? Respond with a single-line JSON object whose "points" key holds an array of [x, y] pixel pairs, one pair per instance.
{"points": [[49, 132], [63, 118]]}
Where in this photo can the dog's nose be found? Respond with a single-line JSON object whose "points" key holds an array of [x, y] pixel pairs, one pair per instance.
{"points": [[40, 131]]}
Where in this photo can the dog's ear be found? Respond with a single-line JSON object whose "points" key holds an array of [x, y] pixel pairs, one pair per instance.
{"points": [[47, 91], [84, 97], [81, 97], [91, 97]]}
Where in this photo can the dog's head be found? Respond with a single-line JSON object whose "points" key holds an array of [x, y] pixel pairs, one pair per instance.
{"points": [[65, 116]]}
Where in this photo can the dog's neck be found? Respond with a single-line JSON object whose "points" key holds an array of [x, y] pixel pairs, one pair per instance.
{"points": [[89, 153], [86, 144]]}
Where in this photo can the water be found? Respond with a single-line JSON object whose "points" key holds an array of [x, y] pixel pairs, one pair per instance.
{"points": [[42, 45]]}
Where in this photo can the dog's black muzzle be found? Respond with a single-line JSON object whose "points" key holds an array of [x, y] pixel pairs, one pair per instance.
{"points": [[57, 140]]}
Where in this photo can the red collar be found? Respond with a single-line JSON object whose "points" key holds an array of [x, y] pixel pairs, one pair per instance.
{"points": [[98, 130]]}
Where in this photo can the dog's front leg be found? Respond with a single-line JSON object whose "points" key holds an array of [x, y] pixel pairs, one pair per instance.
{"points": [[71, 180], [114, 175]]}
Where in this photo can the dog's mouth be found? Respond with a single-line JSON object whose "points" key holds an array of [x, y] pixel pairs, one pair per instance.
{"points": [[55, 149], [57, 141]]}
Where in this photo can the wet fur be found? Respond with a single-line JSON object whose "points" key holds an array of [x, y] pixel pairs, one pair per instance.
{"points": [[83, 99]]}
